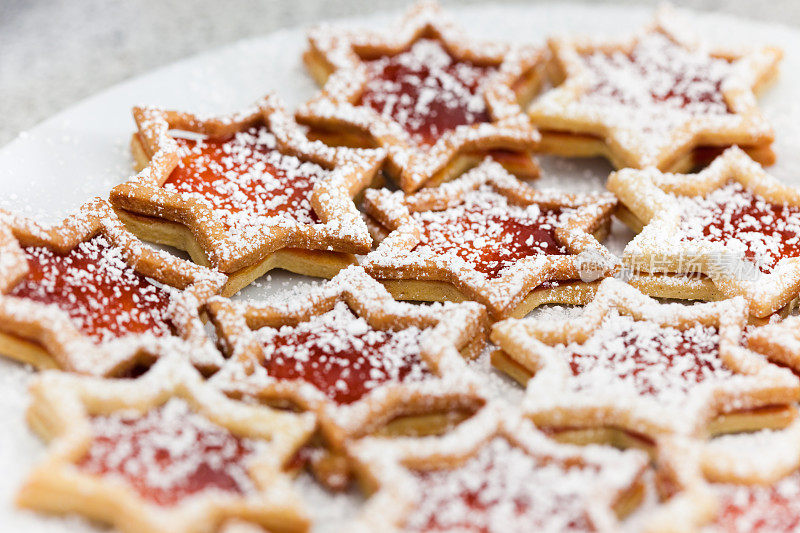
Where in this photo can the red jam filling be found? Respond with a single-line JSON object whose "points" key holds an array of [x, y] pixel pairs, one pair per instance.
{"points": [[746, 223], [342, 355], [427, 91], [168, 453], [512, 161], [503, 488], [655, 361], [760, 509], [102, 294], [659, 73], [245, 176], [488, 233]]}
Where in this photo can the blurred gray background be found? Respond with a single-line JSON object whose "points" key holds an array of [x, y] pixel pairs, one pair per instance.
{"points": [[56, 52]]}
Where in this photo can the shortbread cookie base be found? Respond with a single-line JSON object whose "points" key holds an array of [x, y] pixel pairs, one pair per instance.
{"points": [[140, 158], [331, 467], [423, 425], [630, 500], [676, 286], [415, 421], [627, 217], [575, 293], [607, 436], [569, 144], [521, 164], [508, 366], [26, 351], [316, 263], [316, 65], [29, 352], [64, 499], [767, 417], [681, 287]]}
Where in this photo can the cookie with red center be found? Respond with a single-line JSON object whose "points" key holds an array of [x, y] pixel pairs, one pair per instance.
{"points": [[633, 365], [87, 296], [246, 193], [657, 98], [778, 341], [488, 237], [358, 359], [732, 229], [438, 101], [754, 477], [677, 497], [163, 453], [496, 472]]}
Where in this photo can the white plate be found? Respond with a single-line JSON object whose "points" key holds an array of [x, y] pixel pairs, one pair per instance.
{"points": [[83, 152]]}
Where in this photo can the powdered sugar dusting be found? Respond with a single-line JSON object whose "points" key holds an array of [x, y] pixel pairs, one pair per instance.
{"points": [[746, 223], [168, 453], [245, 180], [505, 489], [427, 91], [653, 360], [342, 355], [102, 294], [759, 509], [488, 232], [657, 87], [658, 77]]}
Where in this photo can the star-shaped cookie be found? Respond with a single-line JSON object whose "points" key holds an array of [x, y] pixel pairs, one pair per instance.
{"points": [[656, 98], [755, 478], [496, 472], [490, 238], [246, 193], [437, 100], [731, 229], [634, 365], [358, 359], [162, 453], [87, 296], [778, 341]]}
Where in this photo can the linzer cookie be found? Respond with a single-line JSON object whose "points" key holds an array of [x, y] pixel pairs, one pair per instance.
{"points": [[361, 361], [677, 496], [246, 193], [730, 230], [645, 369], [163, 453], [87, 296], [755, 478], [495, 472], [438, 101], [780, 342], [657, 98], [488, 237]]}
